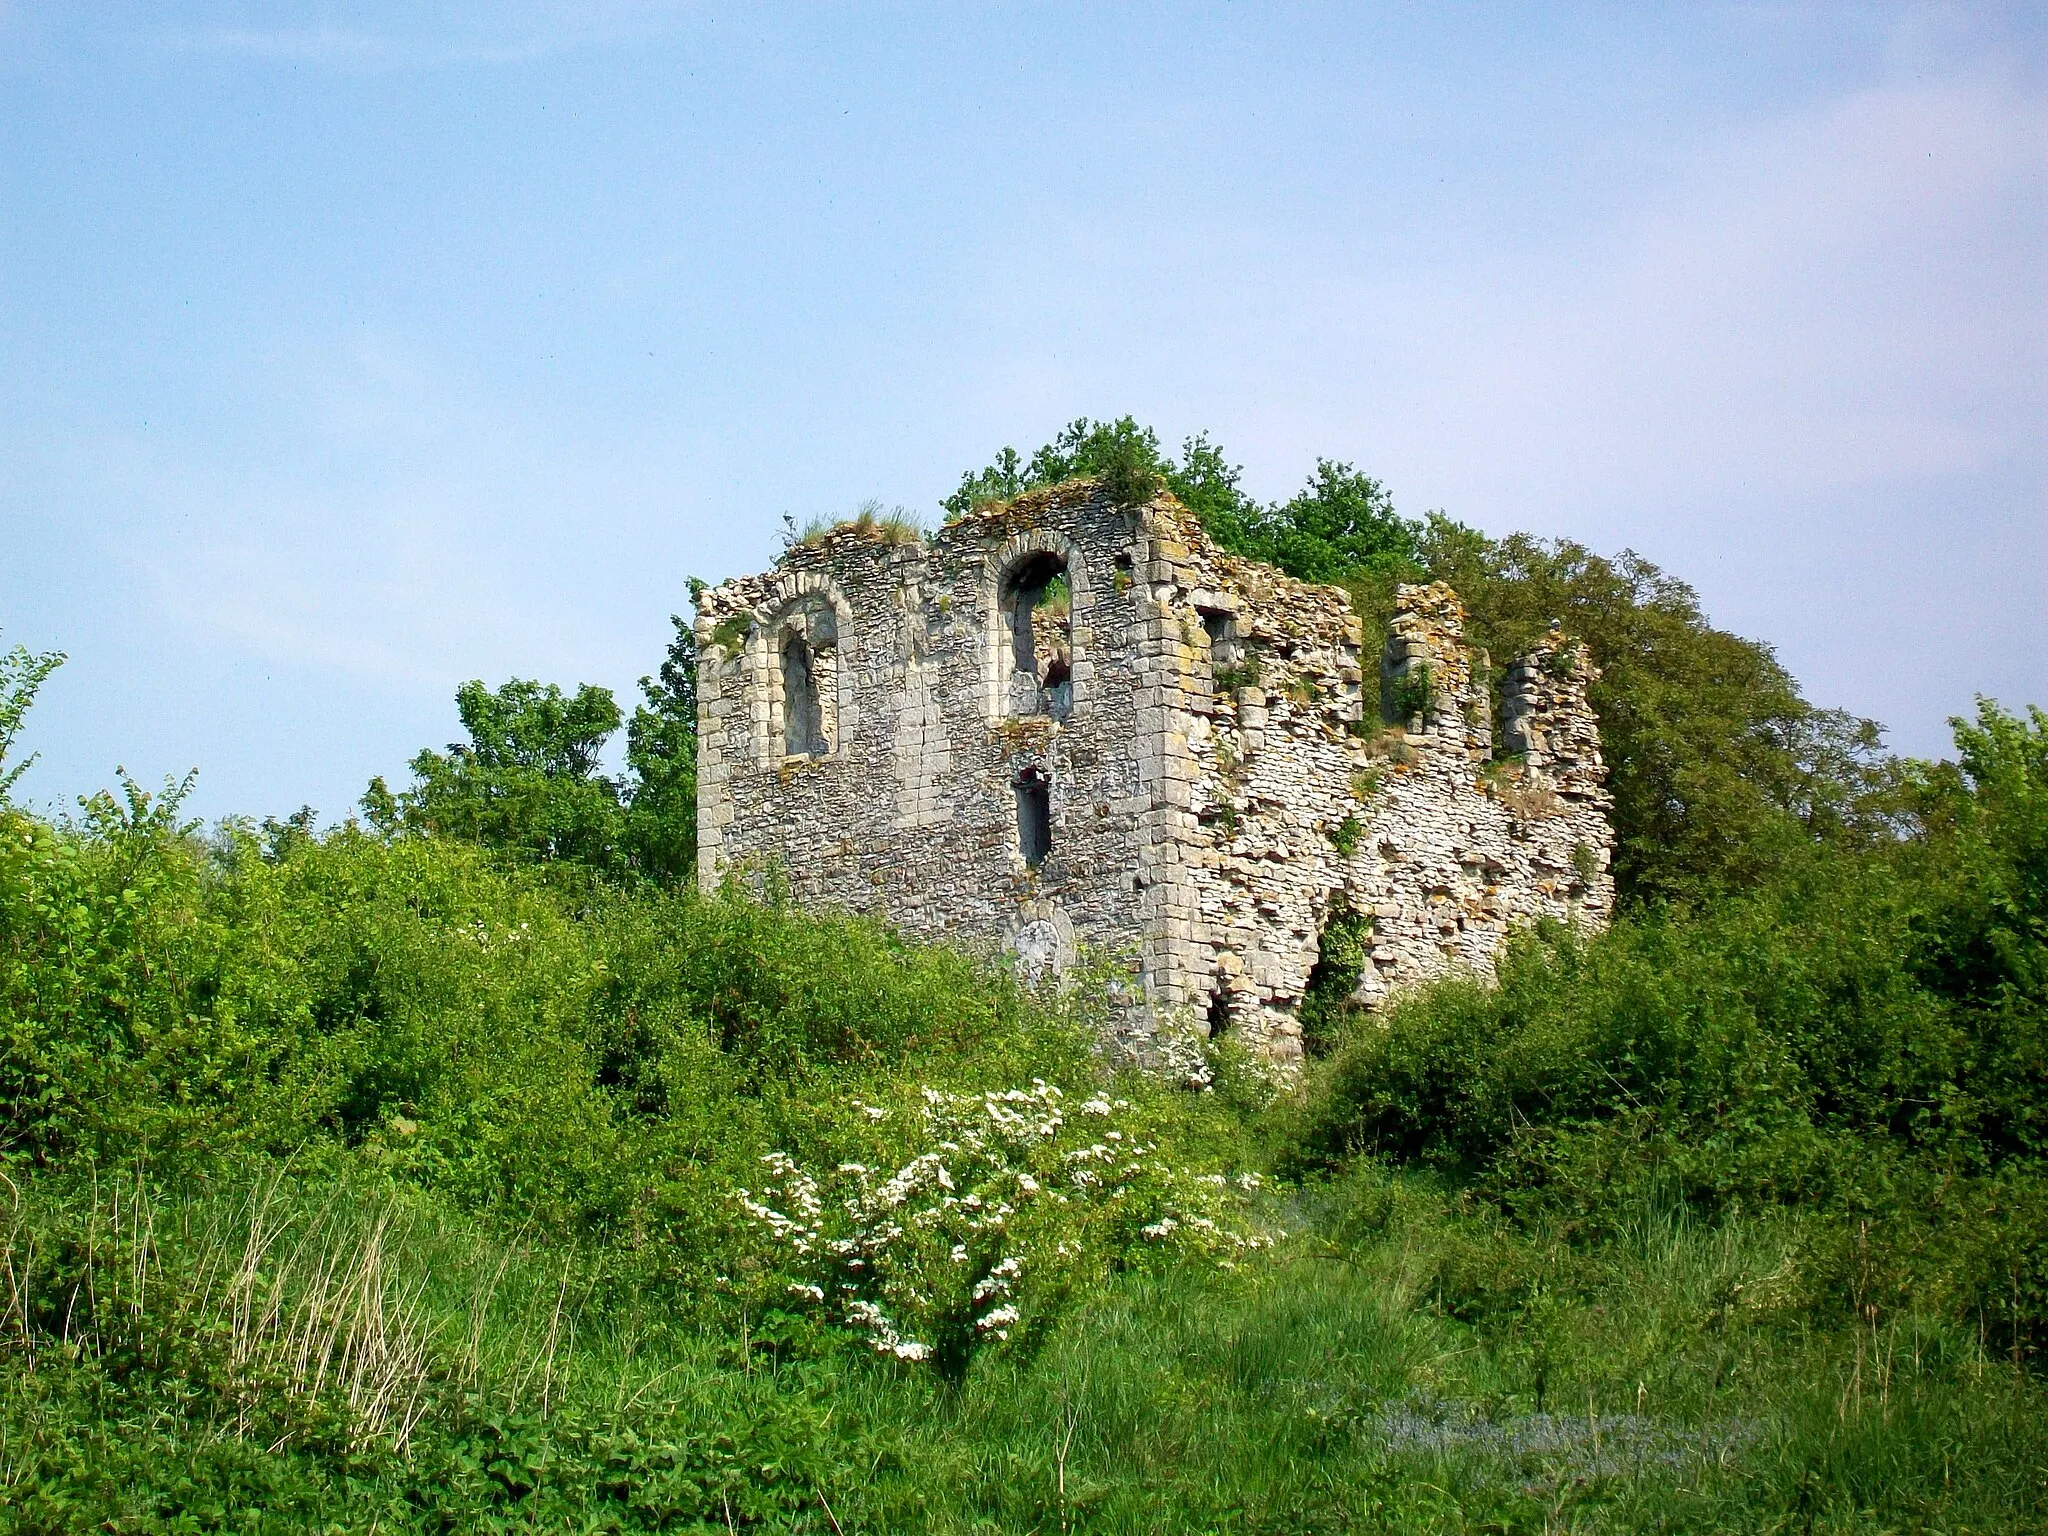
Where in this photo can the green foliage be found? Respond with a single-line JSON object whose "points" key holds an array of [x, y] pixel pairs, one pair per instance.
{"points": [[1863, 1037], [1339, 528], [1000, 481], [731, 633], [660, 833], [1239, 674], [1412, 695], [526, 781], [893, 525], [1728, 1220], [1340, 960], [21, 674], [450, 1175], [1120, 453], [1408, 1368], [1720, 770], [1345, 836]]}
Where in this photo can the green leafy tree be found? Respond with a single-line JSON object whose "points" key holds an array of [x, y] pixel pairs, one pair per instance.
{"points": [[1988, 814], [661, 754], [22, 672], [1980, 933], [1718, 766], [1120, 453], [995, 482], [525, 782], [1720, 769], [1209, 486], [1339, 528]]}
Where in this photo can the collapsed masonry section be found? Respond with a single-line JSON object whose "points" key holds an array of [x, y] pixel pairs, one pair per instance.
{"points": [[1062, 725]]}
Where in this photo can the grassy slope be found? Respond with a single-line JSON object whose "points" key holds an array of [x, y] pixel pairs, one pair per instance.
{"points": [[1179, 1400], [379, 1187]]}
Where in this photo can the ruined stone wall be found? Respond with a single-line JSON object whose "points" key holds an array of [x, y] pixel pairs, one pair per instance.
{"points": [[912, 812], [1315, 786], [1217, 769]]}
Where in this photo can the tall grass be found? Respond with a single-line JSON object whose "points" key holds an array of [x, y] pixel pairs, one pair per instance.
{"points": [[1398, 1366]]}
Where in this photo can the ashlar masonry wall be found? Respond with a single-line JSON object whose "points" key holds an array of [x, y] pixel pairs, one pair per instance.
{"points": [[1062, 723]]}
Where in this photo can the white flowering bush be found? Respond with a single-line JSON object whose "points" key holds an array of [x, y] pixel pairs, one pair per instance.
{"points": [[971, 1218]]}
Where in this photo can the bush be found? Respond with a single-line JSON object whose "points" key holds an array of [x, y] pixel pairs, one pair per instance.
{"points": [[965, 1220], [1862, 1038]]}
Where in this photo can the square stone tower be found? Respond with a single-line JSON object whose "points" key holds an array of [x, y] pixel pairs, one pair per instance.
{"points": [[1061, 724]]}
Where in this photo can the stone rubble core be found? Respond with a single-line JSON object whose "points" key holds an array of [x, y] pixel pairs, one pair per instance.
{"points": [[903, 728]]}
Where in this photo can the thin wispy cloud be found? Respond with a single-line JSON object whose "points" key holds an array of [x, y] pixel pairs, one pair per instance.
{"points": [[507, 34]]}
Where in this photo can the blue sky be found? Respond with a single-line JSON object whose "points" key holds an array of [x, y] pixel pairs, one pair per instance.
{"points": [[348, 352]]}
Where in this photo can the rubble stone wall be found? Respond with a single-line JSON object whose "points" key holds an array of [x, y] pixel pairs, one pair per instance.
{"points": [[1220, 767]]}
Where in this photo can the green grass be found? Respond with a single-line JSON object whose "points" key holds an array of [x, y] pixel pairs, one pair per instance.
{"points": [[1336, 1388]]}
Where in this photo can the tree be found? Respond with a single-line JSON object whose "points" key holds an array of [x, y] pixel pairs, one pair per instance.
{"points": [[1341, 527], [21, 673], [661, 753], [1718, 766], [1120, 453], [526, 781]]}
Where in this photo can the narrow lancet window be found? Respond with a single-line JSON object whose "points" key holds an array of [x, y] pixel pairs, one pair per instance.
{"points": [[803, 733], [1034, 817]]}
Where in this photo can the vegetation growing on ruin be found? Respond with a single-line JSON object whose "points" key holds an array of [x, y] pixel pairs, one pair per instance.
{"points": [[1412, 695], [891, 525], [461, 1168], [1720, 768]]}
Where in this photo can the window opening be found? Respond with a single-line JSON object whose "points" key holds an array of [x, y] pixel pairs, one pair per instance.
{"points": [[1039, 608], [803, 727], [1219, 1011], [1343, 952], [1221, 628], [1034, 817]]}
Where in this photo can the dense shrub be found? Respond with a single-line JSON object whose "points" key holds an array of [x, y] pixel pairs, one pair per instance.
{"points": [[1862, 1037]]}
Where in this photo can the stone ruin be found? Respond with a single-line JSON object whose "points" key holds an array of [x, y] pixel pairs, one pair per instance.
{"points": [[1059, 726]]}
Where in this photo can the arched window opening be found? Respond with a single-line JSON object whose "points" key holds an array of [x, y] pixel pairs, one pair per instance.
{"points": [[1034, 817], [803, 726], [1343, 952], [1038, 610]]}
